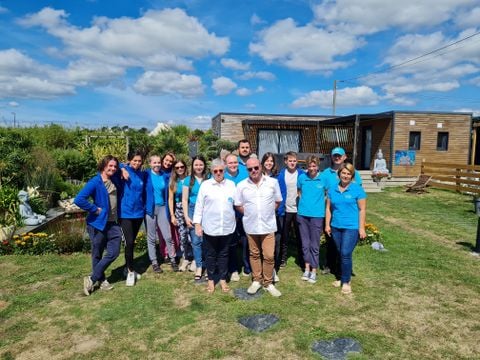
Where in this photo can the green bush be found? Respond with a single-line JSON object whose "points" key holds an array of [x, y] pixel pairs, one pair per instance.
{"points": [[9, 203]]}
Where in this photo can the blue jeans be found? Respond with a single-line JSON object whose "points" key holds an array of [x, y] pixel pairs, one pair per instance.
{"points": [[197, 241], [345, 241], [242, 238], [110, 239]]}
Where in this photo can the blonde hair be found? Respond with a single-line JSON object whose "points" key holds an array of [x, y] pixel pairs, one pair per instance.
{"points": [[347, 166]]}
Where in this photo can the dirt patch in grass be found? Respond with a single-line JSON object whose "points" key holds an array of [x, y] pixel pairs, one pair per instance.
{"points": [[3, 304], [181, 299]]}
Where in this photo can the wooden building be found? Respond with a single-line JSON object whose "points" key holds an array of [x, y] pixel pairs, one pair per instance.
{"points": [[405, 137]]}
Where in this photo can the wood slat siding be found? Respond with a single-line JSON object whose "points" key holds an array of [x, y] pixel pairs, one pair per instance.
{"points": [[464, 179], [457, 126], [229, 126]]}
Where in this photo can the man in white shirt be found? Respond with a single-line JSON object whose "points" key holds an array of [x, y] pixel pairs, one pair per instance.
{"points": [[257, 198]]}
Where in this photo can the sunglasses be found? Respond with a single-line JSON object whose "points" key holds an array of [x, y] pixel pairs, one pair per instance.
{"points": [[253, 168], [180, 167], [218, 171]]}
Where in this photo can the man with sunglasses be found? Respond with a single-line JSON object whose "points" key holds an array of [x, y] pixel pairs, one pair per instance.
{"points": [[257, 198]]}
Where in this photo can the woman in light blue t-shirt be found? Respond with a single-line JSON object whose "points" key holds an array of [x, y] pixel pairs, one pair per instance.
{"points": [[191, 185], [310, 216], [345, 220]]}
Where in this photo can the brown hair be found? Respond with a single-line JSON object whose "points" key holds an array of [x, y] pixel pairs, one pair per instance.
{"points": [[310, 159], [102, 164], [174, 177]]}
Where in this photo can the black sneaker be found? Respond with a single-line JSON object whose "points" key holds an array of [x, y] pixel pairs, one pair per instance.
{"points": [[326, 270], [157, 269], [175, 266]]}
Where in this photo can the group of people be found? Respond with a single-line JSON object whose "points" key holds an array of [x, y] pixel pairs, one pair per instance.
{"points": [[241, 201]]}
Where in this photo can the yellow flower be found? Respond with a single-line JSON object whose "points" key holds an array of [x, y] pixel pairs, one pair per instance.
{"points": [[26, 238], [23, 243]]}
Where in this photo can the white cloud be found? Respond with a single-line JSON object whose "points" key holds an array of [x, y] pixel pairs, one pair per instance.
{"points": [[260, 89], [304, 47], [263, 75], [361, 95], [475, 81], [169, 32], [475, 112], [234, 64], [13, 104], [223, 85], [250, 106], [468, 18], [3, 9], [158, 83], [164, 43], [243, 92], [256, 20], [371, 16]]}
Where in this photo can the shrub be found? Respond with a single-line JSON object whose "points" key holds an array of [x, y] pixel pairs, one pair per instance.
{"points": [[9, 203], [373, 234]]}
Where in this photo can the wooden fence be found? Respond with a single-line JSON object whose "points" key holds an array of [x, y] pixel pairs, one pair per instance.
{"points": [[460, 178]]}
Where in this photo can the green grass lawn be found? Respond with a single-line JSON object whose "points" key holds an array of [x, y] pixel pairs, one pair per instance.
{"points": [[419, 300]]}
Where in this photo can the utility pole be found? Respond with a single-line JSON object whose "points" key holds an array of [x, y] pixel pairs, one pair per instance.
{"points": [[14, 119], [334, 96]]}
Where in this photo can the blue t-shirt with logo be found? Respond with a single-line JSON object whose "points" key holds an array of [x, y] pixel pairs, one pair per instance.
{"points": [[330, 178], [344, 206], [312, 198]]}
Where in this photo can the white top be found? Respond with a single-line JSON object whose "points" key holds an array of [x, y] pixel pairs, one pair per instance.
{"points": [[291, 200], [214, 207], [258, 203]]}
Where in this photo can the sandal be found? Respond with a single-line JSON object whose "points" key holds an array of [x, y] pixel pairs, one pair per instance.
{"points": [[225, 287], [211, 287]]}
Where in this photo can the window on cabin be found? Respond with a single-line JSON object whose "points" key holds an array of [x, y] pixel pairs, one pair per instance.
{"points": [[278, 141], [414, 140], [442, 141]]}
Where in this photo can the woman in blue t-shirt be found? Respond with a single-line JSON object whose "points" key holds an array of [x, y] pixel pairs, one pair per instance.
{"points": [[191, 185], [345, 220], [311, 215], [177, 218]]}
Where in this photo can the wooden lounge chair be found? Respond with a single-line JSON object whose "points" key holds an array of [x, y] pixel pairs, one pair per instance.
{"points": [[420, 185]]}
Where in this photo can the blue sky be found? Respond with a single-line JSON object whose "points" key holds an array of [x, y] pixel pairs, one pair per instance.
{"points": [[100, 63]]}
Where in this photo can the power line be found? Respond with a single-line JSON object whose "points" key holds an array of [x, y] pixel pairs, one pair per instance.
{"points": [[413, 59]]}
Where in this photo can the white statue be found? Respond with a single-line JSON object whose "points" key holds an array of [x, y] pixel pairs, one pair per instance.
{"points": [[28, 216], [380, 165]]}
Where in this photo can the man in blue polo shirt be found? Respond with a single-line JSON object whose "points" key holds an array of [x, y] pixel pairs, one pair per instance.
{"points": [[330, 179]]}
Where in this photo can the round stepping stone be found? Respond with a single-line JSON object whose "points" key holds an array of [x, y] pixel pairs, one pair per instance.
{"points": [[336, 349], [259, 323], [242, 294]]}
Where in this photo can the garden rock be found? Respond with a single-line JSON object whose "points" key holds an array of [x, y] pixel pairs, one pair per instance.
{"points": [[243, 295], [378, 246], [259, 323], [336, 349]]}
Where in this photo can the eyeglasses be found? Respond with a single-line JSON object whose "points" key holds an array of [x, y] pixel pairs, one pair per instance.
{"points": [[180, 167], [218, 171], [253, 168]]}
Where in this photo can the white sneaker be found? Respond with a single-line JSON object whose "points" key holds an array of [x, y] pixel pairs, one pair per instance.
{"points": [[87, 285], [313, 278], [306, 276], [235, 276], [252, 289], [184, 265], [130, 278], [275, 277], [125, 274], [106, 286], [245, 274], [273, 290], [193, 266]]}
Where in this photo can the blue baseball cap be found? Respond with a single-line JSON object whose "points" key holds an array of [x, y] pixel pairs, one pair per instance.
{"points": [[338, 151]]}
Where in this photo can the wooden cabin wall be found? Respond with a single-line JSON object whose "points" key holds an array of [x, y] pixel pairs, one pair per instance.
{"points": [[457, 126]]}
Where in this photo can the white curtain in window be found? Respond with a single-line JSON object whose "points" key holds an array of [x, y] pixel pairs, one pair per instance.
{"points": [[289, 141], [267, 141]]}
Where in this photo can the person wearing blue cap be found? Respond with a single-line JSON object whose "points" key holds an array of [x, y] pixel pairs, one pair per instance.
{"points": [[330, 179]]}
